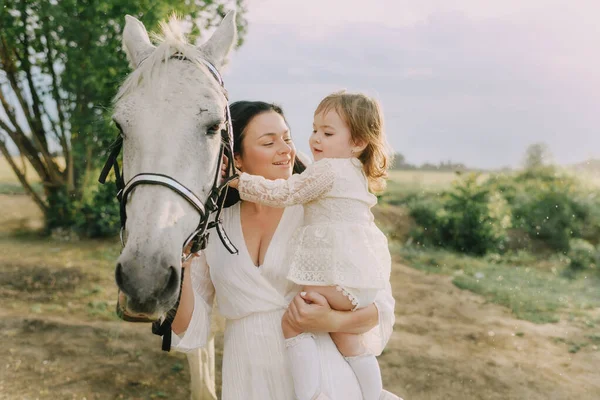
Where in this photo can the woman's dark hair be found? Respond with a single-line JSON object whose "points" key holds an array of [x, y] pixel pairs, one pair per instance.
{"points": [[242, 112]]}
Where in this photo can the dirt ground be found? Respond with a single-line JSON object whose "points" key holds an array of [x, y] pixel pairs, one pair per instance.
{"points": [[60, 342]]}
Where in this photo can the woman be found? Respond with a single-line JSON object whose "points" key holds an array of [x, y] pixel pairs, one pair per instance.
{"points": [[252, 291]]}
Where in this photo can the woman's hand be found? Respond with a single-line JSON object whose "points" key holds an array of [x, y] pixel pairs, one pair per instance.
{"points": [[310, 312], [186, 252]]}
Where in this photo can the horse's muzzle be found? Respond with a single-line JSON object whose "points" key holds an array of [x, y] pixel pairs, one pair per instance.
{"points": [[127, 315]]}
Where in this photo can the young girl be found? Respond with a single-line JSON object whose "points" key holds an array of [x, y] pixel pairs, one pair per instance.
{"points": [[339, 252]]}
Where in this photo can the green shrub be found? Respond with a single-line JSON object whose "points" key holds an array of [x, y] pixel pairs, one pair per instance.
{"points": [[541, 208], [98, 214], [582, 255], [546, 213], [550, 206], [468, 218]]}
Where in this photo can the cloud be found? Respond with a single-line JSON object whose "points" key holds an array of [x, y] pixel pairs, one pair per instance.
{"points": [[475, 87]]}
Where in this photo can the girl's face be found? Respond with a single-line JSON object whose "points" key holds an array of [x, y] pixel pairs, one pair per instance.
{"points": [[267, 147], [331, 137]]}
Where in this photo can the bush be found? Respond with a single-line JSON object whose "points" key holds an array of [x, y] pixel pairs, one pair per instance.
{"points": [[537, 209], [425, 212], [469, 218], [545, 212], [61, 211], [550, 206], [98, 214], [582, 255]]}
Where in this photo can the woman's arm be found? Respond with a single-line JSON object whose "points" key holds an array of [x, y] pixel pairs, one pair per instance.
{"points": [[311, 184], [318, 316], [191, 325], [375, 322], [185, 309]]}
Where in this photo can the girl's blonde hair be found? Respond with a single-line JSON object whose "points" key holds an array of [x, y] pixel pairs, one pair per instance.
{"points": [[364, 118]]}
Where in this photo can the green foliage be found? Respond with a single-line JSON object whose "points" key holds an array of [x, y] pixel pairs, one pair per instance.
{"points": [[550, 206], [63, 209], [545, 212], [63, 61], [582, 254], [469, 218], [541, 208], [99, 216]]}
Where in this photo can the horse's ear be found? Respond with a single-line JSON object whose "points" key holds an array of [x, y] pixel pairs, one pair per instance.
{"points": [[218, 47], [136, 42]]}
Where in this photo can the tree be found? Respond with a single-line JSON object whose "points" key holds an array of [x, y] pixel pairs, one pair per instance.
{"points": [[537, 155], [60, 66]]}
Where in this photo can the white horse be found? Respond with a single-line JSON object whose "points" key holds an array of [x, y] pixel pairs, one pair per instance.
{"points": [[171, 111]]}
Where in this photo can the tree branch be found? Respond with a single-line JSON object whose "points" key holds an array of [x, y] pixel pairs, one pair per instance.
{"points": [[18, 136], [9, 110], [50, 66], [38, 132], [38, 128], [10, 69], [21, 176], [52, 170], [56, 94]]}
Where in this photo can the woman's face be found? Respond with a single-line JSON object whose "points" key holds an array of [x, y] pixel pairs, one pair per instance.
{"points": [[267, 147]]}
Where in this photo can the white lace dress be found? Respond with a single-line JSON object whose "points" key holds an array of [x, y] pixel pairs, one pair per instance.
{"points": [[339, 243], [253, 300]]}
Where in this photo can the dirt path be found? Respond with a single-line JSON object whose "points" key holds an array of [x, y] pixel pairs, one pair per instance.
{"points": [[448, 344]]}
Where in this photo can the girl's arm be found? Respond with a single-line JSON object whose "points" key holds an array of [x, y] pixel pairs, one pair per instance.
{"points": [[314, 182]]}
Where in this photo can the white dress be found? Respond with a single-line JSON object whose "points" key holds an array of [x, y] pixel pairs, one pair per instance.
{"points": [[339, 243], [253, 301]]}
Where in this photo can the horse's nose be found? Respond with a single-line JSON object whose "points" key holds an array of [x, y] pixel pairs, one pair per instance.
{"points": [[145, 287]]}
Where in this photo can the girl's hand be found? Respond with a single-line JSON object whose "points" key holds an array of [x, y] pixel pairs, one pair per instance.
{"points": [[234, 183], [310, 312], [224, 167]]}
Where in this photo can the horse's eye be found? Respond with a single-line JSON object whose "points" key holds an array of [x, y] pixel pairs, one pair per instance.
{"points": [[213, 130]]}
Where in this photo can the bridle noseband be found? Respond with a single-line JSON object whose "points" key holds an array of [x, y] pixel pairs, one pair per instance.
{"points": [[213, 204]]}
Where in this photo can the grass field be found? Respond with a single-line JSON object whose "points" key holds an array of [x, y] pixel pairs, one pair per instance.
{"points": [[497, 327]]}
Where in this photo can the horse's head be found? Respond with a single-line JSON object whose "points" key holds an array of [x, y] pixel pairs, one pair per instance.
{"points": [[171, 111]]}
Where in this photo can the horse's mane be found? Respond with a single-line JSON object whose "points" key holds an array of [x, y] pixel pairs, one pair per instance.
{"points": [[170, 41]]}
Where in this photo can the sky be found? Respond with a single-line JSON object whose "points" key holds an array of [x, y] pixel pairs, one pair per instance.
{"points": [[472, 81]]}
